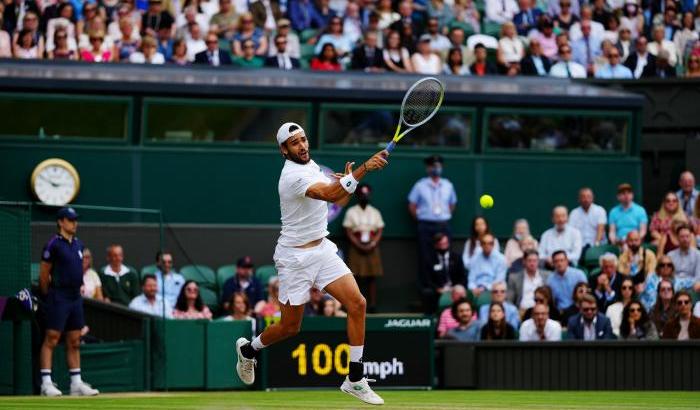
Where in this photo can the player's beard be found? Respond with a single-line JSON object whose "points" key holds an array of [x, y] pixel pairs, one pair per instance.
{"points": [[296, 158]]}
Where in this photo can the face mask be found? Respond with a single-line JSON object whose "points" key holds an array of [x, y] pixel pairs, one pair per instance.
{"points": [[518, 237], [436, 171]]}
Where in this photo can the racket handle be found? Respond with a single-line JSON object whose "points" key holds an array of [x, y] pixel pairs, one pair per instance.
{"points": [[390, 147]]}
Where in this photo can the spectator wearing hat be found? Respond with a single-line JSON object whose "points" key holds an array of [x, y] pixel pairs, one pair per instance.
{"points": [[425, 61], [281, 58], [292, 47], [481, 66], [624, 43], [213, 55], [149, 53], [363, 225], [120, 283], [641, 62], [173, 280], [626, 216], [431, 202], [243, 281], [60, 280], [156, 18]]}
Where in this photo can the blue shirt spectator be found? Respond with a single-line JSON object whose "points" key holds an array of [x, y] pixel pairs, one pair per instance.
{"points": [[433, 197], [527, 18], [150, 301], [487, 267], [617, 71], [564, 280], [173, 284], [242, 281], [626, 216], [469, 333], [304, 15], [512, 314]]}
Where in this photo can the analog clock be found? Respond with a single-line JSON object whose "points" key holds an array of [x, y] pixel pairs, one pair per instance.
{"points": [[55, 182]]}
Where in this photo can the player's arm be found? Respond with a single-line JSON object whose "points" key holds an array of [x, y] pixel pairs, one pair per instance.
{"points": [[44, 277], [335, 191]]}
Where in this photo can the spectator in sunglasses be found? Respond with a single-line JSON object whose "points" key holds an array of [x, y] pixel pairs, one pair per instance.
{"points": [[590, 324], [615, 312], [636, 324], [664, 271], [684, 326], [664, 309]]}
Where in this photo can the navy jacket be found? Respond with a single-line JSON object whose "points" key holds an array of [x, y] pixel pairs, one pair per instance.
{"points": [[254, 291], [203, 58], [603, 329]]}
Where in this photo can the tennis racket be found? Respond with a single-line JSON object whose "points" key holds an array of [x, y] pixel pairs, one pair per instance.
{"points": [[421, 102]]}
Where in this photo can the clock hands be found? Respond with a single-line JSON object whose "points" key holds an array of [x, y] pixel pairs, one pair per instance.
{"points": [[53, 184]]}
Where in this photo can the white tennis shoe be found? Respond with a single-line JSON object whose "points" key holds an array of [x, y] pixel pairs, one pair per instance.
{"points": [[82, 389], [50, 390], [361, 390], [245, 367]]}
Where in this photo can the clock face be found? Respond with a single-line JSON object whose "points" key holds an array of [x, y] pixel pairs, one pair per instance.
{"points": [[55, 182]]}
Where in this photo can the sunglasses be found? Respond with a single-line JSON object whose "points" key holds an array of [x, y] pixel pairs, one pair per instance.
{"points": [[489, 243], [539, 300], [671, 200], [635, 310], [614, 56], [95, 39], [589, 309], [246, 47], [665, 265], [192, 289], [627, 288], [565, 52], [498, 291], [212, 41], [666, 289], [682, 302], [61, 37]]}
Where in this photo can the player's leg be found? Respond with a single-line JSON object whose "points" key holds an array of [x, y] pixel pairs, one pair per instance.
{"points": [[48, 388], [74, 326]]}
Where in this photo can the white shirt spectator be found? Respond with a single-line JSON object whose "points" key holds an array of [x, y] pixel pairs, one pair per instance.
{"points": [[568, 240], [139, 58], [430, 65], [200, 18], [293, 48], [512, 49], [194, 47], [587, 222], [155, 308], [501, 11], [91, 281], [569, 69], [687, 266], [597, 30], [614, 313], [439, 43], [696, 310], [589, 329], [386, 19], [529, 286], [553, 7], [211, 7], [653, 48], [552, 331]]}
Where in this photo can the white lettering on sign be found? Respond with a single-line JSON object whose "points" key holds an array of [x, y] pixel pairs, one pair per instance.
{"points": [[384, 369], [408, 323]]}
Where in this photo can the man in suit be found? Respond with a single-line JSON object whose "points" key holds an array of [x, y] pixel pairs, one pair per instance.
{"points": [[526, 19], [281, 59], [535, 63], [522, 285], [406, 12], [213, 55], [587, 48], [367, 56], [590, 324], [641, 62], [606, 285], [662, 68], [446, 270]]}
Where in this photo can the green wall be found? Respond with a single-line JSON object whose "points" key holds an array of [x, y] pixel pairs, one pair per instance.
{"points": [[239, 186]]}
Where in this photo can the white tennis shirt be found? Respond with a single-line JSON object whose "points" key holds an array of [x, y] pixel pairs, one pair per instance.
{"points": [[304, 219]]}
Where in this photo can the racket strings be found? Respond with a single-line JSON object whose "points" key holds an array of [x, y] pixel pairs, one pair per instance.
{"points": [[422, 102]]}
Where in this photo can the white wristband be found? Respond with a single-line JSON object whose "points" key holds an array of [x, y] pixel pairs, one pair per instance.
{"points": [[349, 183]]}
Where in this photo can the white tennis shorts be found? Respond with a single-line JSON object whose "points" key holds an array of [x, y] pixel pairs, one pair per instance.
{"points": [[301, 269]]}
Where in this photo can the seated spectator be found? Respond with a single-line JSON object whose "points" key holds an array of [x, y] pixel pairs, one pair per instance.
{"points": [[63, 20], [248, 59], [281, 58], [683, 326], [626, 216], [528, 243], [662, 68], [510, 48], [686, 260], [467, 328], [526, 19], [304, 15], [155, 18], [125, 11], [342, 44], [563, 280], [577, 31], [636, 261], [424, 61], [180, 53], [6, 44], [606, 285], [367, 56], [540, 327], [587, 47], [327, 60], [481, 66], [498, 294], [150, 301], [128, 41], [487, 267], [671, 241], [566, 16], [686, 35], [589, 324], [330, 308], [580, 290], [26, 47], [589, 218], [242, 281], [213, 55], [633, 18], [387, 16], [292, 47], [687, 194], [239, 309], [312, 307], [600, 13], [248, 31], [447, 320], [614, 69], [636, 324], [119, 283], [500, 11], [664, 309], [325, 11], [467, 16], [61, 49], [271, 306], [164, 43], [497, 327], [442, 14], [479, 229], [658, 34], [664, 271], [407, 19], [196, 43], [561, 236], [455, 63], [173, 280], [513, 251], [545, 37], [438, 42], [566, 68], [265, 13], [149, 53], [225, 22], [193, 14], [660, 227], [535, 63], [696, 310], [396, 57], [445, 270], [97, 54], [522, 285], [92, 286], [625, 45], [641, 62], [614, 310], [189, 303]]}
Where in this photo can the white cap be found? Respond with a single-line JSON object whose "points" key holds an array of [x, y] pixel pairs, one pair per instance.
{"points": [[283, 134]]}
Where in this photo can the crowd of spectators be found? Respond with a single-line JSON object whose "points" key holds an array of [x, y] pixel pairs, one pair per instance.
{"points": [[621, 39]]}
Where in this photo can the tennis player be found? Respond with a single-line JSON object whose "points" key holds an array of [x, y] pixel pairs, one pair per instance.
{"points": [[304, 258]]}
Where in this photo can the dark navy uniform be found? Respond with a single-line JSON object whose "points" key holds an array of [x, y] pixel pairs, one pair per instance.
{"points": [[64, 304]]}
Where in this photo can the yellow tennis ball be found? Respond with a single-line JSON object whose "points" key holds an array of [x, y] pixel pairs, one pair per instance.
{"points": [[486, 201]]}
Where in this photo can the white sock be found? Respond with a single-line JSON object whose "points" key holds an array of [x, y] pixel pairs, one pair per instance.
{"points": [[257, 343], [75, 376], [46, 376], [356, 353]]}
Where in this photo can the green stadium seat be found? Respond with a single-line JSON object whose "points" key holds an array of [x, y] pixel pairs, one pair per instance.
{"points": [[491, 29], [564, 334], [444, 302], [223, 274], [34, 270], [594, 272], [149, 270], [264, 273], [590, 259], [209, 298], [483, 299], [305, 35], [203, 275]]}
